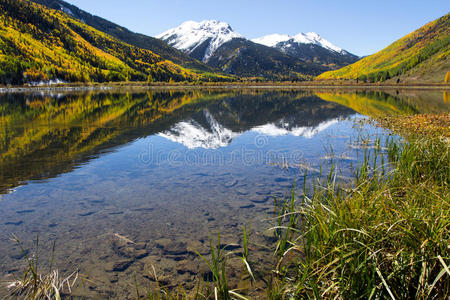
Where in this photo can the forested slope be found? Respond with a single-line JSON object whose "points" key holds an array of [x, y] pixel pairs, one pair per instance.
{"points": [[38, 44], [422, 55]]}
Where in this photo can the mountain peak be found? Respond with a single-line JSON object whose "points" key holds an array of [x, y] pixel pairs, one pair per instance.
{"points": [[316, 39], [272, 40], [191, 35], [302, 38], [214, 26]]}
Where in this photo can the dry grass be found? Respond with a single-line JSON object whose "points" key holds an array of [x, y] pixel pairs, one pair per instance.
{"points": [[36, 285], [425, 124]]}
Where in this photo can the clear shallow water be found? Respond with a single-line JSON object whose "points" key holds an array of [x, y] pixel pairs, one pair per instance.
{"points": [[164, 169]]}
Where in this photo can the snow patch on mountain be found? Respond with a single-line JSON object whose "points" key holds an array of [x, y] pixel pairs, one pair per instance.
{"points": [[302, 38], [189, 35], [272, 40]]}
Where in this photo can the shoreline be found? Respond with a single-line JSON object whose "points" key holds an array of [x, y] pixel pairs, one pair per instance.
{"points": [[118, 86]]}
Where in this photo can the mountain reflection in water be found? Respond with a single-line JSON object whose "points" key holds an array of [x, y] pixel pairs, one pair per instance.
{"points": [[43, 136]]}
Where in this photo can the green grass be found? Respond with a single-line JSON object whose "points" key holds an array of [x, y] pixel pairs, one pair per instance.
{"points": [[385, 237], [218, 266]]}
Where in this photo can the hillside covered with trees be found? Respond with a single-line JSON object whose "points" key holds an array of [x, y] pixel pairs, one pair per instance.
{"points": [[422, 55], [139, 40], [40, 44]]}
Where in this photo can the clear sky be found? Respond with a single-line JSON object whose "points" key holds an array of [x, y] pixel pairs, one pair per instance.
{"points": [[359, 26]]}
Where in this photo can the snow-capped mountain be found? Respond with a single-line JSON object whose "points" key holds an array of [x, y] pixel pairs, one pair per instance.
{"points": [[273, 57], [309, 47], [313, 38], [210, 134], [216, 44], [199, 38]]}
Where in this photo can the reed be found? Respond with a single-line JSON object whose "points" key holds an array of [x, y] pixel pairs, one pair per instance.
{"points": [[218, 266], [384, 237], [36, 285]]}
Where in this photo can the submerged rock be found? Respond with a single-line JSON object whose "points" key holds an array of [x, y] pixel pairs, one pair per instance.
{"points": [[230, 246], [172, 247], [197, 246], [118, 266], [140, 246], [143, 209], [241, 192], [269, 235], [89, 213], [21, 255], [126, 248], [261, 200], [188, 266], [206, 273], [231, 183], [263, 193], [25, 211], [138, 254], [18, 223], [247, 206]]}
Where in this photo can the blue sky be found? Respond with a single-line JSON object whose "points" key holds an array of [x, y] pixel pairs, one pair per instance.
{"points": [[359, 26]]}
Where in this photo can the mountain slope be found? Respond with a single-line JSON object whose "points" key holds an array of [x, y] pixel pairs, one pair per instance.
{"points": [[422, 55], [219, 46], [310, 47], [200, 40], [139, 40], [38, 44], [245, 58]]}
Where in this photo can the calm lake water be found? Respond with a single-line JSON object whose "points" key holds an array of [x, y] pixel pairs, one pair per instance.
{"points": [[125, 182]]}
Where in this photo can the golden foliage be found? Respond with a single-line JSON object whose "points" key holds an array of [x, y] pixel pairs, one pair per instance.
{"points": [[430, 42], [38, 43]]}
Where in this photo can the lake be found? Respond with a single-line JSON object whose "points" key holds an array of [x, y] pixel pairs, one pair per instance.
{"points": [[132, 183]]}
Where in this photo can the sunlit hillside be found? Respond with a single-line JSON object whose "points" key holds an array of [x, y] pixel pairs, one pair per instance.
{"points": [[422, 55], [39, 44]]}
